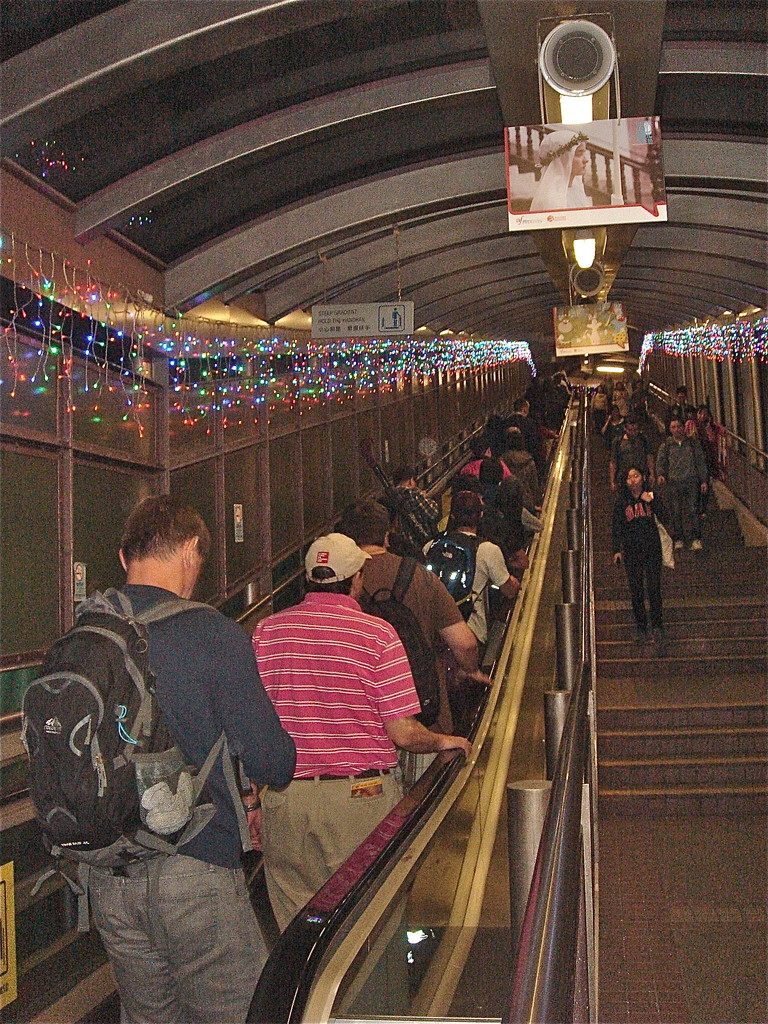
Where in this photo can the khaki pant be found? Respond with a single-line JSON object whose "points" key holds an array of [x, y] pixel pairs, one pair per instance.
{"points": [[309, 830]]}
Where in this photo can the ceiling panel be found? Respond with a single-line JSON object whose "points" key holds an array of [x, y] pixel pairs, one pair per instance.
{"points": [[310, 149]]}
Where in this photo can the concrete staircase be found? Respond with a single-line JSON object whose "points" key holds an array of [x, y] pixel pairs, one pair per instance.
{"points": [[683, 731]]}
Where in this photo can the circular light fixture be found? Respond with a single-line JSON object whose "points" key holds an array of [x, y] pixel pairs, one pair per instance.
{"points": [[577, 58], [587, 281]]}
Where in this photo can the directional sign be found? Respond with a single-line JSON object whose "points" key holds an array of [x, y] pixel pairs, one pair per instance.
{"points": [[364, 320]]}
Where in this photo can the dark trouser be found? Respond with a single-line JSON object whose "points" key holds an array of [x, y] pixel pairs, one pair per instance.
{"points": [[642, 569], [684, 501]]}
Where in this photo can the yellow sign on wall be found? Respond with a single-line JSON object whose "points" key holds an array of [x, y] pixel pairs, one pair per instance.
{"points": [[7, 936]]}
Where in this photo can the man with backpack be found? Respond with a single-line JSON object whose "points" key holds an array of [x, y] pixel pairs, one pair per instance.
{"points": [[431, 620], [342, 686], [476, 565], [179, 929]]}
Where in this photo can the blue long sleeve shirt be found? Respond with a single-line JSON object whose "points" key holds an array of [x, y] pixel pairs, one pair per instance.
{"points": [[207, 681]]}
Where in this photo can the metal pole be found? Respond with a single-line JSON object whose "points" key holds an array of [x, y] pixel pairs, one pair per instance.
{"points": [[591, 887], [717, 398], [732, 421], [567, 644], [555, 710], [575, 494], [573, 528], [570, 568], [526, 809], [757, 404]]}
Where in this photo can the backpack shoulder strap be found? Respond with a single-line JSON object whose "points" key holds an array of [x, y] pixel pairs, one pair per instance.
{"points": [[167, 609], [405, 573], [116, 602], [470, 540]]}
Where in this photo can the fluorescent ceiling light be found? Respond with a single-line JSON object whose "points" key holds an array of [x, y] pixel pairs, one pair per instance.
{"points": [[584, 251], [576, 109], [610, 369]]}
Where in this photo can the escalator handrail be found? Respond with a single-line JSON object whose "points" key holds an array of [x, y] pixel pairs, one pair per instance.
{"points": [[544, 973]]}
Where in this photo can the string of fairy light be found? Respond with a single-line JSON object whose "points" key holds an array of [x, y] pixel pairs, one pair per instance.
{"points": [[736, 339], [213, 367]]}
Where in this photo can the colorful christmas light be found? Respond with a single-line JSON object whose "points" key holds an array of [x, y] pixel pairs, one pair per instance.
{"points": [[737, 339], [213, 367]]}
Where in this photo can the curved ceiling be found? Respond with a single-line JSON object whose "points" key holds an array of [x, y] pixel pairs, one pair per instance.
{"points": [[295, 151]]}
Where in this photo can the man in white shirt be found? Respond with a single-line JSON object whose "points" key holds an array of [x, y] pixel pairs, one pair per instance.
{"points": [[490, 567]]}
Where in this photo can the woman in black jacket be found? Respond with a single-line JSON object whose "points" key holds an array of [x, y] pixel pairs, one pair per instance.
{"points": [[636, 543]]}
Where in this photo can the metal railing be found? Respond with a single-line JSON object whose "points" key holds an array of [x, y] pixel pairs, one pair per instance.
{"points": [[555, 970]]}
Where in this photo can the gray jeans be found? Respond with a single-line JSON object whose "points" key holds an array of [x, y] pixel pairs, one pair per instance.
{"points": [[683, 498], [190, 951]]}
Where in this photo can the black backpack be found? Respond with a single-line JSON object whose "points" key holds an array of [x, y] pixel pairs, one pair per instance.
{"points": [[452, 558], [107, 782], [388, 604]]}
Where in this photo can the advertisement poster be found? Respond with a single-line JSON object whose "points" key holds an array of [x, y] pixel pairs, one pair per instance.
{"points": [[595, 327], [604, 172]]}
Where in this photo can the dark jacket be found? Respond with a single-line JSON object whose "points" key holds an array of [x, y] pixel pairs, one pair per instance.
{"points": [[635, 533], [207, 681]]}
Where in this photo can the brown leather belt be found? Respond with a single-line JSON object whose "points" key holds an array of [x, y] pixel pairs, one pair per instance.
{"points": [[372, 773]]}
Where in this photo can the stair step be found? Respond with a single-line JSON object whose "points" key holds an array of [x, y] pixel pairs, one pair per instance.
{"points": [[716, 588], [686, 801], [686, 629], [746, 741], [684, 647], [696, 607], [710, 715], [647, 663], [674, 772]]}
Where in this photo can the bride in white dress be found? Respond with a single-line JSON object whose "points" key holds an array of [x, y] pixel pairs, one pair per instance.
{"points": [[563, 155]]}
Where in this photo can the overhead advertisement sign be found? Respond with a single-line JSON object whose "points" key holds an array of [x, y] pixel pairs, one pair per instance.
{"points": [[592, 328], [364, 320], [569, 176]]}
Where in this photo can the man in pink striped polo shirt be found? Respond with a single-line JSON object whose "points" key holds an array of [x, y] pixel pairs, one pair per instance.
{"points": [[342, 687]]}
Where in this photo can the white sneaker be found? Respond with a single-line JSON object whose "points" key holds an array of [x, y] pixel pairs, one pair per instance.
{"points": [[695, 545], [678, 545]]}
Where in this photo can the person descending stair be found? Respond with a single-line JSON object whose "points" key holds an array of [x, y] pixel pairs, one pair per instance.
{"points": [[636, 544]]}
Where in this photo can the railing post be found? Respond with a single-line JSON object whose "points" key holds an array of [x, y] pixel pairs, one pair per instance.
{"points": [[556, 703], [570, 567], [573, 528], [567, 644], [526, 809]]}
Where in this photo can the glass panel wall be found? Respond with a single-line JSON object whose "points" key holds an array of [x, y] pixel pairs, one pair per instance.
{"points": [[315, 481], [29, 543], [285, 493], [344, 460], [196, 485], [102, 499], [243, 540]]}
